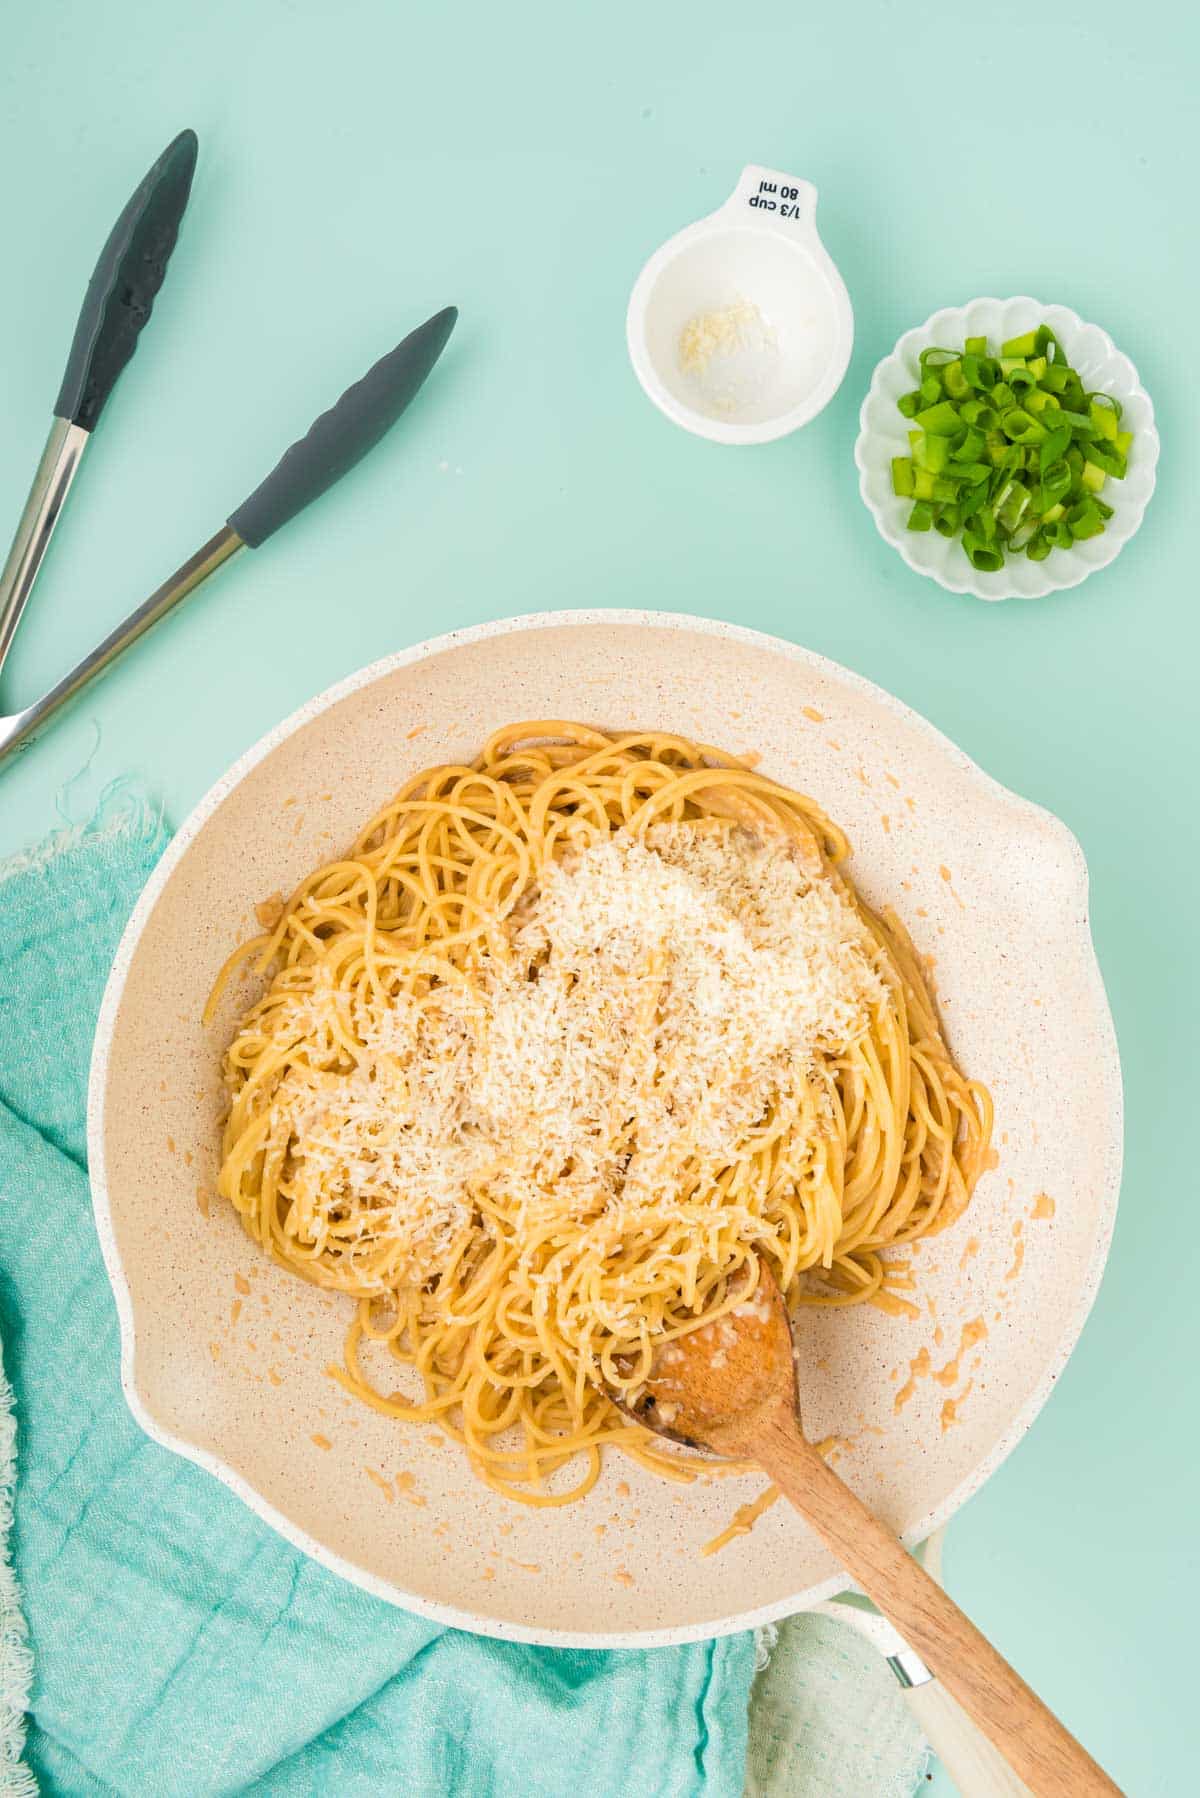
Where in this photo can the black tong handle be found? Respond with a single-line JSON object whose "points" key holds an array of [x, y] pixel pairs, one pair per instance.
{"points": [[122, 289], [344, 434]]}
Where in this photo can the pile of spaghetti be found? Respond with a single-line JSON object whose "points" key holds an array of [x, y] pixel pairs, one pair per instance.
{"points": [[572, 1038]]}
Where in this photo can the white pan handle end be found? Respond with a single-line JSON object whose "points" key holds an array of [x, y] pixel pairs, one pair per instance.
{"points": [[977, 1769]]}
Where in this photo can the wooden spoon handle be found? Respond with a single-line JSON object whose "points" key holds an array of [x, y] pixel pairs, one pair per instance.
{"points": [[1030, 1737]]}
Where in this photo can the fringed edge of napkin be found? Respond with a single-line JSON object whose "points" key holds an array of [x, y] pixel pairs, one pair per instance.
{"points": [[16, 1661], [122, 810]]}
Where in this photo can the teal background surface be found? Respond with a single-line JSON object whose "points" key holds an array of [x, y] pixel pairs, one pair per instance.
{"points": [[364, 164]]}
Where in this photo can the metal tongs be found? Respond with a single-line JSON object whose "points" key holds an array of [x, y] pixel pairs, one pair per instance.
{"points": [[115, 309]]}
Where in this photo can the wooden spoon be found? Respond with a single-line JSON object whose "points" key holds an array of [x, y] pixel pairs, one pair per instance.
{"points": [[731, 1387]]}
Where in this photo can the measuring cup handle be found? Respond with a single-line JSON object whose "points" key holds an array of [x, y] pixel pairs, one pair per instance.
{"points": [[771, 198]]}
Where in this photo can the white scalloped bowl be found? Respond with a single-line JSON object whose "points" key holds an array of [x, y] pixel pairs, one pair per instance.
{"points": [[883, 433], [224, 1352]]}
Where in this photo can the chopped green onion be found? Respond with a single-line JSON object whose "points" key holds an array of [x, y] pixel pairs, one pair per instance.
{"points": [[970, 472], [929, 451], [1085, 519], [971, 501], [978, 412], [983, 555], [1012, 508], [1053, 447], [945, 486], [1057, 481], [929, 486], [942, 419], [1107, 402], [1020, 426], [979, 372], [1062, 380], [1105, 414], [1008, 451], [955, 381], [1108, 457]]}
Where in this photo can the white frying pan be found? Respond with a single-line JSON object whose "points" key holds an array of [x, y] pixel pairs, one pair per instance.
{"points": [[992, 888]]}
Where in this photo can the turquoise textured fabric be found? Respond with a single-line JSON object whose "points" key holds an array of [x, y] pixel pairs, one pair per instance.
{"points": [[180, 1648]]}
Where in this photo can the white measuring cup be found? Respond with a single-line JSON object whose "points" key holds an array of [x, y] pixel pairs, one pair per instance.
{"points": [[740, 326]]}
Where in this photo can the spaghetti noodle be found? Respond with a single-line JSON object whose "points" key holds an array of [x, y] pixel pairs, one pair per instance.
{"points": [[571, 1038]]}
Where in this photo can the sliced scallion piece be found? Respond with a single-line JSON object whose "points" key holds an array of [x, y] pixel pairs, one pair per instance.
{"points": [[942, 419], [1053, 447], [1085, 519], [955, 381], [983, 555], [929, 451]]}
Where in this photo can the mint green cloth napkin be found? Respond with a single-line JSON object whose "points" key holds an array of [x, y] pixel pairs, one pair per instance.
{"points": [[180, 1648]]}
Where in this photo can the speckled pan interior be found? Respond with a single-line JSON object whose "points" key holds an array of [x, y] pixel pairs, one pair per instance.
{"points": [[224, 1353]]}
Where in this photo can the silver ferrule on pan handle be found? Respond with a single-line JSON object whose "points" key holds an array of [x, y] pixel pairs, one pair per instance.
{"points": [[909, 1668], [850, 1608], [51, 484]]}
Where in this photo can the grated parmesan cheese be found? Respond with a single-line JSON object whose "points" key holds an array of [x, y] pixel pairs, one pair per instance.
{"points": [[655, 1001]]}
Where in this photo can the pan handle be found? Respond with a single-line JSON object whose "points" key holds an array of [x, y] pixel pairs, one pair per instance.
{"points": [[977, 1769]]}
